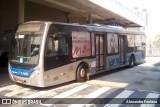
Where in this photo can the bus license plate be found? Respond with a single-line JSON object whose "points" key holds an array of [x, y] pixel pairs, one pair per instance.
{"points": [[19, 81]]}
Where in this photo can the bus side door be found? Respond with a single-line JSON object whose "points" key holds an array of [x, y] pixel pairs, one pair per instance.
{"points": [[100, 52], [122, 49]]}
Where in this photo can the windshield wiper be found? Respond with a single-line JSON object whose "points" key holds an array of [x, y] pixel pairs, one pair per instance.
{"points": [[35, 51]]}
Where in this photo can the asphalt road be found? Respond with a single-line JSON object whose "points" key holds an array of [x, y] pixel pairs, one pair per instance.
{"points": [[144, 76], [141, 81]]}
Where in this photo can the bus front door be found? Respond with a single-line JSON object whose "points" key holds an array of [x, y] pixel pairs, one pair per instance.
{"points": [[99, 52], [122, 49]]}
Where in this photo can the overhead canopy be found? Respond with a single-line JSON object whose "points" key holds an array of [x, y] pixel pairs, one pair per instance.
{"points": [[114, 13]]}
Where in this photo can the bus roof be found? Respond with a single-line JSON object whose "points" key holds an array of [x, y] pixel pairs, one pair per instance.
{"points": [[94, 27], [102, 28]]}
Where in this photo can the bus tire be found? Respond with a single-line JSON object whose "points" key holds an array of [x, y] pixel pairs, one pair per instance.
{"points": [[132, 61], [81, 73]]}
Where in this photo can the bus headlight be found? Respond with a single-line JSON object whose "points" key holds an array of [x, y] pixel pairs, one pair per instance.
{"points": [[10, 72], [9, 67], [35, 73]]}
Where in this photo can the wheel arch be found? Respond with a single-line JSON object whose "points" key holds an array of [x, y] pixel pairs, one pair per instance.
{"points": [[132, 61], [132, 55]]}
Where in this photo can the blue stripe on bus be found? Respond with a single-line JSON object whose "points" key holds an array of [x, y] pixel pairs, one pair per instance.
{"points": [[21, 72], [114, 62], [140, 56]]}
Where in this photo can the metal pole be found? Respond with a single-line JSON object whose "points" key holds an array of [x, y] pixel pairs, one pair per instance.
{"points": [[90, 19], [21, 4]]}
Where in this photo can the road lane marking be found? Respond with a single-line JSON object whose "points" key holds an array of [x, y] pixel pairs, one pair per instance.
{"points": [[10, 87], [7, 84], [91, 95], [66, 94], [34, 95], [37, 94], [17, 91], [150, 95], [124, 94], [98, 92], [107, 83]]}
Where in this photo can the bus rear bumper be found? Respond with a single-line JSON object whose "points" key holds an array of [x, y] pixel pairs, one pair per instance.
{"points": [[140, 61]]}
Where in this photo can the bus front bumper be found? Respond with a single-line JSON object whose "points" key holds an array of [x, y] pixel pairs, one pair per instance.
{"points": [[33, 80]]}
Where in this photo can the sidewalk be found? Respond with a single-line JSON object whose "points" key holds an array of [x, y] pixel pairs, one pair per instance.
{"points": [[4, 76]]}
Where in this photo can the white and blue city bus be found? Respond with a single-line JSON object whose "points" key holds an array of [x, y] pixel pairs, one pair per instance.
{"points": [[49, 53]]}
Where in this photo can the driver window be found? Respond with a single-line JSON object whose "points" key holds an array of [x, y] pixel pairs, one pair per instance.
{"points": [[57, 45], [52, 46]]}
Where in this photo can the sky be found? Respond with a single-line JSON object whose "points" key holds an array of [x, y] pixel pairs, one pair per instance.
{"points": [[153, 8]]}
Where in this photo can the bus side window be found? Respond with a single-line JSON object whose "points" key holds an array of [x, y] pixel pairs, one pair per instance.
{"points": [[63, 46]]}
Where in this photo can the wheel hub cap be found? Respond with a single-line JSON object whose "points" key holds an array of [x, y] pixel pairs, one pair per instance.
{"points": [[82, 73]]}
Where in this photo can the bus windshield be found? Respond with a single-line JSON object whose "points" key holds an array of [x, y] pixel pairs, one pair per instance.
{"points": [[26, 48], [26, 44]]}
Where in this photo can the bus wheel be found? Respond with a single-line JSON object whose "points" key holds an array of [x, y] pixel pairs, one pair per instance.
{"points": [[132, 61], [81, 74]]}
